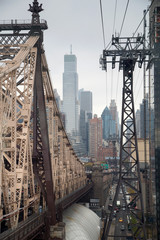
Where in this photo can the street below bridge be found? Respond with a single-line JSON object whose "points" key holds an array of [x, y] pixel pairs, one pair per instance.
{"points": [[119, 229]]}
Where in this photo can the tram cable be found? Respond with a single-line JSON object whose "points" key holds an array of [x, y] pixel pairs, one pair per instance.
{"points": [[143, 18], [124, 18], [102, 23]]}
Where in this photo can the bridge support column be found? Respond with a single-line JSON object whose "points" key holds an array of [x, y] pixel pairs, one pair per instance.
{"points": [[57, 232]]}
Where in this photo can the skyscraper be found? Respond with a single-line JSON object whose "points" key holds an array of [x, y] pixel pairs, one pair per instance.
{"points": [[144, 132], [71, 106], [109, 125], [95, 136], [155, 102], [85, 99], [114, 113]]}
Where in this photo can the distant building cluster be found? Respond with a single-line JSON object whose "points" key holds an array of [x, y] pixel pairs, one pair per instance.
{"points": [[95, 138], [91, 137]]}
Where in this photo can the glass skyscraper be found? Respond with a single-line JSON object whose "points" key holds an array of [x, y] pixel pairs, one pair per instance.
{"points": [[70, 94], [109, 125], [85, 99], [155, 102], [114, 113]]}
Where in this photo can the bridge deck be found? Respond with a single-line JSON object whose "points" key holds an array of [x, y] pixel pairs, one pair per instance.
{"points": [[18, 25], [27, 229], [31, 227]]}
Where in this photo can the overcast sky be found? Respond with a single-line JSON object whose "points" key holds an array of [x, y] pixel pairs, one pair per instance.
{"points": [[78, 22]]}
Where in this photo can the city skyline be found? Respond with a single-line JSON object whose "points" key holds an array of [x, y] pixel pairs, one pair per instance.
{"points": [[79, 24], [44, 134]]}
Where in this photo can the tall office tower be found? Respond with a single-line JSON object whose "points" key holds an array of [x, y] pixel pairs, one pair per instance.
{"points": [[155, 100], [138, 123], [71, 106], [83, 128], [114, 113], [142, 130], [95, 136], [109, 125], [85, 99]]}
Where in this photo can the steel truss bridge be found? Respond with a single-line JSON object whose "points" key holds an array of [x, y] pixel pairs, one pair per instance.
{"points": [[38, 166]]}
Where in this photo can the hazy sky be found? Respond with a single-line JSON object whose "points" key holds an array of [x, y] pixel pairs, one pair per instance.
{"points": [[78, 22]]}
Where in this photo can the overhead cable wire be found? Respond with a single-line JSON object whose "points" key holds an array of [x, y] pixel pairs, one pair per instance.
{"points": [[117, 86], [109, 45], [111, 83], [136, 99], [102, 23], [106, 89], [124, 18], [104, 42], [119, 36], [114, 21], [136, 81], [143, 18]]}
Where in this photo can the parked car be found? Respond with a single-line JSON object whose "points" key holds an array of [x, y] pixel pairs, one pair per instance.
{"points": [[120, 220], [122, 227]]}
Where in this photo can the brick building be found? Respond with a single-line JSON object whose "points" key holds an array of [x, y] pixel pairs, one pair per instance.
{"points": [[95, 136], [105, 152]]}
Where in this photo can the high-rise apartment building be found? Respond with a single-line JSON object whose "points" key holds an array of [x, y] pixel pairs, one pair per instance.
{"points": [[114, 113], [109, 125], [144, 129], [154, 106], [71, 106], [85, 99], [95, 136]]}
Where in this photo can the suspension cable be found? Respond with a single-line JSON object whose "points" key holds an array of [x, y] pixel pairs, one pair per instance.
{"points": [[114, 21], [143, 18], [102, 23], [115, 10], [124, 18]]}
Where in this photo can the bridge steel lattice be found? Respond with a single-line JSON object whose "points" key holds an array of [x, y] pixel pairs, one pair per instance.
{"points": [[38, 165]]}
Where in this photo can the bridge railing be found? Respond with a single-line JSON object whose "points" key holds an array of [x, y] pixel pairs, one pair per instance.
{"points": [[19, 21], [73, 197], [32, 226], [26, 228]]}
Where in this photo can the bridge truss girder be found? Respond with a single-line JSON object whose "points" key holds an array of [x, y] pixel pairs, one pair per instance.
{"points": [[31, 128]]}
